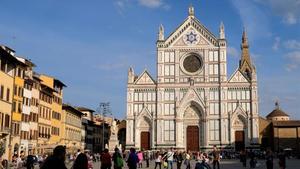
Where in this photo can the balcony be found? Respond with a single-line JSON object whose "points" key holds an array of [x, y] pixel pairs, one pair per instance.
{"points": [[4, 131]]}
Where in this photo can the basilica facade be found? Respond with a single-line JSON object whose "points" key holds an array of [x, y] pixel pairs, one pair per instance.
{"points": [[193, 103]]}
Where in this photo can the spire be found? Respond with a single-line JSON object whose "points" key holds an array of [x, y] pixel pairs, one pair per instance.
{"points": [[276, 104], [161, 31], [130, 75], [191, 10], [245, 63], [244, 40], [222, 31]]}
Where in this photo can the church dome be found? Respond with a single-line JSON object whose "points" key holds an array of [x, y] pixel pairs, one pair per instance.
{"points": [[277, 114]]}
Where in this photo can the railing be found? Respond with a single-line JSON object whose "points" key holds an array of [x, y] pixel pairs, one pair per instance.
{"points": [[4, 130]]}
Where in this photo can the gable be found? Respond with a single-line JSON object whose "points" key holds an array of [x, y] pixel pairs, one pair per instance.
{"points": [[145, 78], [192, 95], [238, 77], [176, 38], [201, 40]]}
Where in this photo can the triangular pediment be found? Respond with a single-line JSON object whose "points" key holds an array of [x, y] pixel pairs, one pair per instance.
{"points": [[182, 42], [145, 113], [238, 77], [192, 95], [177, 37], [145, 78]]}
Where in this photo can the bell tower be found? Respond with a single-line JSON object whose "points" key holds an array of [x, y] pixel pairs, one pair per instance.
{"points": [[245, 64]]}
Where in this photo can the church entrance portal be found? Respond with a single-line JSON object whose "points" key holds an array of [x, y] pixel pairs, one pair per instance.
{"points": [[239, 140], [192, 138], [145, 140]]}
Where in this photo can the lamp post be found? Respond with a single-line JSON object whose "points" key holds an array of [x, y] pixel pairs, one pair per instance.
{"points": [[104, 110]]}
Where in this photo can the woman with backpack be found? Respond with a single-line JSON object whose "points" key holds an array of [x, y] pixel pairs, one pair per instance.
{"points": [[117, 159]]}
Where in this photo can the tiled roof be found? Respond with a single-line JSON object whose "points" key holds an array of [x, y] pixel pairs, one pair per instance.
{"points": [[277, 112]]}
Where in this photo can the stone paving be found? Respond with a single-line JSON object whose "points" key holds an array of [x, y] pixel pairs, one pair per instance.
{"points": [[228, 164]]}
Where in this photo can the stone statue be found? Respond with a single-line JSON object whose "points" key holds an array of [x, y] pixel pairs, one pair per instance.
{"points": [[113, 128]]}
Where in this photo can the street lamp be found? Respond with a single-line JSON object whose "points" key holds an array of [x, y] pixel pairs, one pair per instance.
{"points": [[104, 110]]}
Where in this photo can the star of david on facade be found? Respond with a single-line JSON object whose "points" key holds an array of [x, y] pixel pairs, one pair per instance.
{"points": [[191, 37]]}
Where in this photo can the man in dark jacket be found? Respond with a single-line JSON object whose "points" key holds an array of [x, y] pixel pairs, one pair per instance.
{"points": [[132, 159], [57, 160]]}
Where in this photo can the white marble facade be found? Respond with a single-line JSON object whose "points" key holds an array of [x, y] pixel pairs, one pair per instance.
{"points": [[192, 88]]}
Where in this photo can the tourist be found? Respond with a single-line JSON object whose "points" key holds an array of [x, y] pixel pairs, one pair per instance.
{"points": [[252, 159], [57, 160], [158, 159], [140, 157], [117, 159], [269, 159], [201, 162], [132, 159], [5, 164], [169, 158], [81, 162], [147, 158], [179, 159], [243, 157], [105, 160], [216, 158], [281, 158], [187, 161]]}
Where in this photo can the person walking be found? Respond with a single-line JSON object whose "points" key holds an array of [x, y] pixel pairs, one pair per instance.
{"points": [[140, 157], [117, 158], [81, 162], [105, 160], [252, 159], [243, 157], [187, 161], [132, 159], [281, 158], [179, 159], [158, 159], [57, 160], [147, 158], [216, 158], [269, 159], [169, 158]]}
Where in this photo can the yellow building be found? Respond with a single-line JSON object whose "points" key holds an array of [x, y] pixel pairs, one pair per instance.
{"points": [[44, 119], [17, 107], [7, 71], [56, 108], [71, 128]]}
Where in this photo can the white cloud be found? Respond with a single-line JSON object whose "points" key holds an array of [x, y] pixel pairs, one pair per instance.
{"points": [[121, 5], [252, 16], [276, 44], [287, 9], [292, 44], [151, 3], [232, 51], [294, 59]]}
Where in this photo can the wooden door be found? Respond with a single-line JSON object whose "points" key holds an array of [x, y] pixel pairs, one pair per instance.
{"points": [[145, 140], [239, 140], [192, 138]]}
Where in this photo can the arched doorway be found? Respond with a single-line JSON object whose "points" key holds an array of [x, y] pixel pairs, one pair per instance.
{"points": [[192, 138], [239, 127], [145, 140], [144, 131], [194, 127], [122, 137]]}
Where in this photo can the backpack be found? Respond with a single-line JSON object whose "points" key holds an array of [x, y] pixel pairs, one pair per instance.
{"points": [[119, 161]]}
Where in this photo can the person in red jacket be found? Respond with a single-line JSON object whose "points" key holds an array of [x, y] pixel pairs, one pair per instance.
{"points": [[105, 160]]}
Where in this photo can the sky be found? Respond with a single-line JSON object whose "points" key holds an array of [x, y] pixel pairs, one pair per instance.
{"points": [[89, 45]]}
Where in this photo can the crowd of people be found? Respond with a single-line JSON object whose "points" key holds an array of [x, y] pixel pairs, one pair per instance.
{"points": [[136, 159]]}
